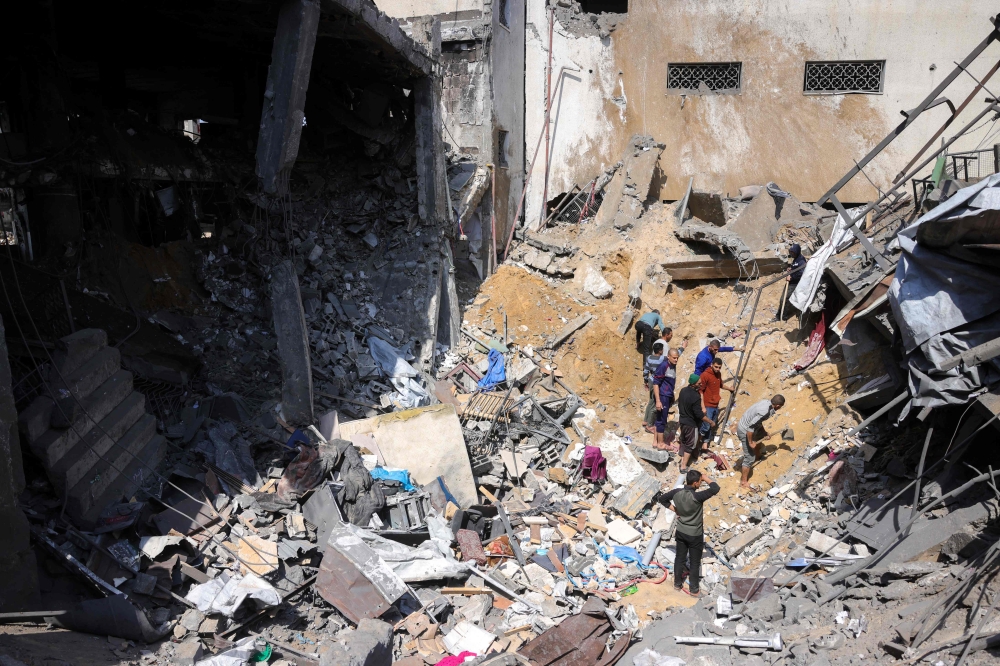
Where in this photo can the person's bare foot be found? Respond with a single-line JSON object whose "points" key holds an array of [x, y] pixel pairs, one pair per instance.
{"points": [[744, 486]]}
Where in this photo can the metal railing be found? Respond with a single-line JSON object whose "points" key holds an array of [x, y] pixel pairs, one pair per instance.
{"points": [[973, 164]]}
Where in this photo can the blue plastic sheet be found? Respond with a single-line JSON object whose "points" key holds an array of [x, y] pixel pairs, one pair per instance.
{"points": [[400, 475], [495, 373]]}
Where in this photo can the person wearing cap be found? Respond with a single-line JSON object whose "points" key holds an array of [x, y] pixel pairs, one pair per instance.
{"points": [[711, 394], [750, 431], [649, 367], [691, 417], [797, 264], [707, 355], [664, 379]]}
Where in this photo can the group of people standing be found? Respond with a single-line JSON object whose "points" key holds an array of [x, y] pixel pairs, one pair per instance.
{"points": [[698, 417], [697, 401]]}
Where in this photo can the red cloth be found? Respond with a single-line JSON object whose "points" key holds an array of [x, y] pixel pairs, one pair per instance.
{"points": [[456, 660], [817, 341], [711, 387], [595, 467]]}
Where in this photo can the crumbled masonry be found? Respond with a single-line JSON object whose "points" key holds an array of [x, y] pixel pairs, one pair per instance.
{"points": [[270, 392]]}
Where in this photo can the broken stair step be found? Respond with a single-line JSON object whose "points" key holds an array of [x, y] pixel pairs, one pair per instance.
{"points": [[88, 377], [54, 443], [103, 475], [78, 348], [85, 454], [138, 472], [33, 420]]}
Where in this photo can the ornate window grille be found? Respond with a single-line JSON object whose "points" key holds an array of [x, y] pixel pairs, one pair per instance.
{"points": [[846, 76], [687, 77]]}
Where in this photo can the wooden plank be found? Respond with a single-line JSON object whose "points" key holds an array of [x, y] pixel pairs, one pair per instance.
{"points": [[569, 329], [716, 267], [466, 590]]}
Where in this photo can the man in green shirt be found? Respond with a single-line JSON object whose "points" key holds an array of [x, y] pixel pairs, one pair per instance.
{"points": [[688, 503]]}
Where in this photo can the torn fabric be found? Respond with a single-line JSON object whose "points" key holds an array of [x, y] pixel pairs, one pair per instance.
{"points": [[804, 293]]}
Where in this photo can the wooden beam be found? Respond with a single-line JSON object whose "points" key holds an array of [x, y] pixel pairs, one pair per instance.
{"points": [[718, 267]]}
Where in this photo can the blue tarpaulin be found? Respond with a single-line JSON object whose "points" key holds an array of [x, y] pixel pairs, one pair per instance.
{"points": [[495, 373], [400, 475]]}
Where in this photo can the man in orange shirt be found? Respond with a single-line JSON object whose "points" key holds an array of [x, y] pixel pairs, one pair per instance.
{"points": [[711, 385]]}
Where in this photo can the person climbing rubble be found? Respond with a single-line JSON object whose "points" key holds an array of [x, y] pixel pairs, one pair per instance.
{"points": [[664, 379], [797, 264], [689, 503], [645, 331], [691, 418], [707, 355], [711, 387], [666, 335], [649, 367], [751, 433]]}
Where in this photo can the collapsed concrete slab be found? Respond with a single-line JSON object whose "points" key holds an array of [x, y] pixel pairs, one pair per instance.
{"points": [[708, 207], [724, 239], [626, 194]]}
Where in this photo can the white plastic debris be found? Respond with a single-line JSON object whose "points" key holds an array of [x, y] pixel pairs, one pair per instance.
{"points": [[237, 655], [467, 637], [225, 593]]}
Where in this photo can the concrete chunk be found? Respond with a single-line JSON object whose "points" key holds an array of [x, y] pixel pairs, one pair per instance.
{"points": [[740, 542], [76, 349], [369, 645], [187, 654], [293, 345], [821, 543]]}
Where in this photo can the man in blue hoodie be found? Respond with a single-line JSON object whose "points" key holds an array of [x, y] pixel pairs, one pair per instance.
{"points": [[705, 357]]}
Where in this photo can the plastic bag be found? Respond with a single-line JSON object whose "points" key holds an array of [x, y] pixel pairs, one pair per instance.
{"points": [[652, 658]]}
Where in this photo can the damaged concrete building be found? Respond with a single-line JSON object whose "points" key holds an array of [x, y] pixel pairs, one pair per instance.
{"points": [[483, 70], [328, 333]]}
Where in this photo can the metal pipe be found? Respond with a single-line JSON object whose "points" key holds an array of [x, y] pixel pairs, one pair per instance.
{"points": [[992, 107], [958, 111], [527, 177], [920, 472], [914, 114], [746, 344], [838, 576], [548, 110], [772, 642], [647, 557], [885, 408]]}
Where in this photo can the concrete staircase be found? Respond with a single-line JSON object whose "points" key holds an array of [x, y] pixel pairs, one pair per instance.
{"points": [[92, 466]]}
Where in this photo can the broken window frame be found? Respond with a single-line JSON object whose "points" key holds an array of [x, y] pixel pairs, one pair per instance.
{"points": [[503, 139], [845, 91], [503, 13], [673, 66]]}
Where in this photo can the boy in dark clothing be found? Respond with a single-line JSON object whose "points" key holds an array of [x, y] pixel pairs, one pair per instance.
{"points": [[691, 417], [797, 264], [688, 504]]}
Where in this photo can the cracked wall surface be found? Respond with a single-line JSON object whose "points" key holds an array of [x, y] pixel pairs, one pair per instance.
{"points": [[770, 131]]}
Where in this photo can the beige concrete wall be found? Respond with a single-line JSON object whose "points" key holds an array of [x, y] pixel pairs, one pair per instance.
{"points": [[411, 8], [771, 130]]}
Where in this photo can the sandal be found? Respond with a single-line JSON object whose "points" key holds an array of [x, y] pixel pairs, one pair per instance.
{"points": [[648, 428]]}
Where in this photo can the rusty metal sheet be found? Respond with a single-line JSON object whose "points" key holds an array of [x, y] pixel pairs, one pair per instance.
{"points": [[637, 497], [579, 639], [758, 588], [343, 585], [471, 546]]}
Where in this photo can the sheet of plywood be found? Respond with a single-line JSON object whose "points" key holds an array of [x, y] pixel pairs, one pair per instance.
{"points": [[426, 441]]}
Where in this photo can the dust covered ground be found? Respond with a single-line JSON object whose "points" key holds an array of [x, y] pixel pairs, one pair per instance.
{"points": [[605, 368]]}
